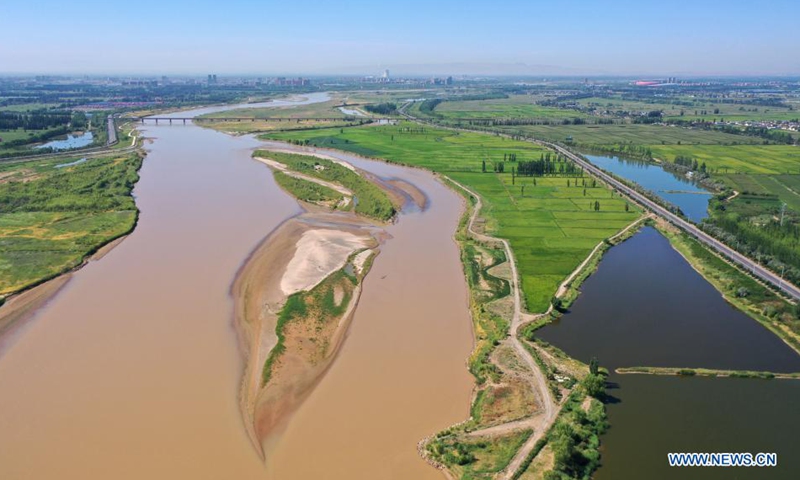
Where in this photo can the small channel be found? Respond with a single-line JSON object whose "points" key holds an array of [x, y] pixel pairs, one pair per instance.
{"points": [[646, 306], [675, 189]]}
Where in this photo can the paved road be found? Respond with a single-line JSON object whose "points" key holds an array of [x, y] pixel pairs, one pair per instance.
{"points": [[690, 228], [112, 131]]}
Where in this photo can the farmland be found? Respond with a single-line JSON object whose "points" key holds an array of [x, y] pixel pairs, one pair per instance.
{"points": [[628, 133], [52, 214], [785, 187], [551, 226], [692, 108], [516, 106], [759, 159]]}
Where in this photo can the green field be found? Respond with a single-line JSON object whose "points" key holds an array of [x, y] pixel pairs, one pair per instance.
{"points": [[552, 228], [785, 187], [763, 159], [637, 134], [26, 107], [693, 108], [52, 218], [515, 106]]}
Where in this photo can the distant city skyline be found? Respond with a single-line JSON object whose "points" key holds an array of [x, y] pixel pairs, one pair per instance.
{"points": [[503, 37]]}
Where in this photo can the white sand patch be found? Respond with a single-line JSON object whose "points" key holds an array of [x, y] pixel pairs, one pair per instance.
{"points": [[360, 259], [319, 253], [284, 169], [314, 154]]}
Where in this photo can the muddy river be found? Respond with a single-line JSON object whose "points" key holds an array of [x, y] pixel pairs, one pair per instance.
{"points": [[133, 369]]}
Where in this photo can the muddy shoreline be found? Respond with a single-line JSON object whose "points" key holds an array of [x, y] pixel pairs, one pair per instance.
{"points": [[21, 306]]}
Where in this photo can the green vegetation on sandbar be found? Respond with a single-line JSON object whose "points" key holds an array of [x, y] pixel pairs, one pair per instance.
{"points": [[55, 212], [370, 200], [552, 221], [318, 307], [308, 191]]}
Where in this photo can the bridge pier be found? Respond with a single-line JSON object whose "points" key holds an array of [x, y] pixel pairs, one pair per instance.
{"points": [[156, 121], [184, 121], [170, 121]]}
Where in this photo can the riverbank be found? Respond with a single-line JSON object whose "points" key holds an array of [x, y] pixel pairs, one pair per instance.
{"points": [[45, 242], [559, 382]]}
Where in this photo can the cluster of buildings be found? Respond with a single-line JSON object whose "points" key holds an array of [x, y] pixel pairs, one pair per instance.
{"points": [[289, 82], [385, 79]]}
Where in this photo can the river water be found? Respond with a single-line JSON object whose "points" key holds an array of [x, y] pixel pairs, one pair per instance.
{"points": [[675, 189], [627, 316], [133, 370]]}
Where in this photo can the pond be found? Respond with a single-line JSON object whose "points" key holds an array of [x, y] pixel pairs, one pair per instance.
{"points": [[677, 190], [646, 306], [72, 141]]}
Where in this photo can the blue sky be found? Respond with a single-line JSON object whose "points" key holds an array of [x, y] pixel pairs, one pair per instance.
{"points": [[308, 37]]}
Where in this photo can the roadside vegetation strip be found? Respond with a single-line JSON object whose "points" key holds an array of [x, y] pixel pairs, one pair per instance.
{"points": [[56, 212], [707, 372], [370, 200]]}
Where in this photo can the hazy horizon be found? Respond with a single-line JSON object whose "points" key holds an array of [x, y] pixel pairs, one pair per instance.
{"points": [[511, 38]]}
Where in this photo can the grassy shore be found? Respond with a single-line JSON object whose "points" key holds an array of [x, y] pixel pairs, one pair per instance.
{"points": [[56, 212]]}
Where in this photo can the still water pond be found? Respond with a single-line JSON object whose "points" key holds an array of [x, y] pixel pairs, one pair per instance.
{"points": [[677, 190], [72, 141], [646, 306]]}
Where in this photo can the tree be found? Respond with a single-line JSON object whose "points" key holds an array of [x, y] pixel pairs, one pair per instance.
{"points": [[626, 206], [596, 206], [595, 385], [483, 167], [557, 303], [523, 190], [594, 367]]}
